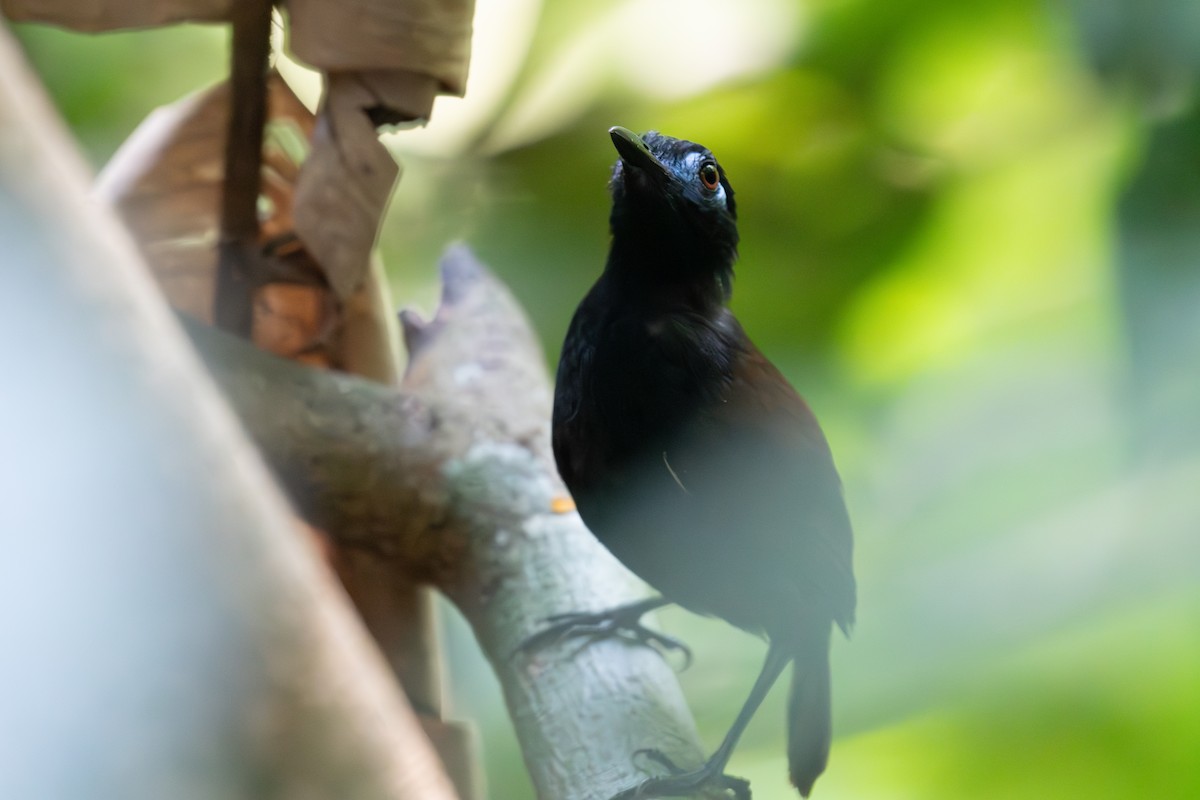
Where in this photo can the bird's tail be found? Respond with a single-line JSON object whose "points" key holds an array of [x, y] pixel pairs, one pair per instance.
{"points": [[809, 722]]}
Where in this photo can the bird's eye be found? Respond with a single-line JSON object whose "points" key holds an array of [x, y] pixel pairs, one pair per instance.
{"points": [[709, 175]]}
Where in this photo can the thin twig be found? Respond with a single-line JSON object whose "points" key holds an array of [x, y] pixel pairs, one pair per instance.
{"points": [[239, 249]]}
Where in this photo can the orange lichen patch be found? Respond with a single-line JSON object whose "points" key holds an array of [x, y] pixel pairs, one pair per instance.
{"points": [[315, 358], [291, 320], [562, 504]]}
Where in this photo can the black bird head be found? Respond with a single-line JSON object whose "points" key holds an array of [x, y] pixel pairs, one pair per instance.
{"points": [[673, 216]]}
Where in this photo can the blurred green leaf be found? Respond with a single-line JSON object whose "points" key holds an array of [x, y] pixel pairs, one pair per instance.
{"points": [[106, 84]]}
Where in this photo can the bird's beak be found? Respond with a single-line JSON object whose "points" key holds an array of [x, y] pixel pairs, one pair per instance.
{"points": [[634, 153]]}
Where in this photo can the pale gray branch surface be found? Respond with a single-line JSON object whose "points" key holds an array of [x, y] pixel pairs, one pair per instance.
{"points": [[451, 479]]}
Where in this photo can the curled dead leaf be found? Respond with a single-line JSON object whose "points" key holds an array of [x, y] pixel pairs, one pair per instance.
{"points": [[108, 15], [165, 182], [423, 37]]}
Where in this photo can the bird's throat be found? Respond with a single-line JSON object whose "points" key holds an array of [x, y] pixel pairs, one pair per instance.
{"points": [[675, 272]]}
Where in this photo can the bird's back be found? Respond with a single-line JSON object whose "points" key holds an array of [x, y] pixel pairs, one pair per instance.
{"points": [[693, 460]]}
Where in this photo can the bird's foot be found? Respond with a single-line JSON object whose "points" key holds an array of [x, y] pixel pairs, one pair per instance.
{"points": [[623, 622], [682, 783]]}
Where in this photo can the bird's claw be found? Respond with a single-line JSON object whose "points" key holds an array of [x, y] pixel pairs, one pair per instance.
{"points": [[624, 622], [660, 758], [680, 782]]}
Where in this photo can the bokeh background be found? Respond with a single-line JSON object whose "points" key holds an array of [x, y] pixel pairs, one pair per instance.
{"points": [[971, 236]]}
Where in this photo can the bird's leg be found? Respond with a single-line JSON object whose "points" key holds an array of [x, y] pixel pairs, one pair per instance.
{"points": [[623, 621], [679, 782]]}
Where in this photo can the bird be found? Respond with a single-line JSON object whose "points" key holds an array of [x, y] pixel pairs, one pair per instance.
{"points": [[693, 460]]}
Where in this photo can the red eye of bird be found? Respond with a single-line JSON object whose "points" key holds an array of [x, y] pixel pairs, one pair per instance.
{"points": [[709, 176]]}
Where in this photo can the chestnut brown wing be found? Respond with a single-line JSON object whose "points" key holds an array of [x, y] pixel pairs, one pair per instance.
{"points": [[758, 468]]}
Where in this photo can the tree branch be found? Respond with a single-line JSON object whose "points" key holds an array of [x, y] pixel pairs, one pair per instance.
{"points": [[451, 480]]}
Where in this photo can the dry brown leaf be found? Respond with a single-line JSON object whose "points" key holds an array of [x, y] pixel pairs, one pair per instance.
{"points": [[345, 184], [385, 61], [426, 37], [165, 182], [108, 15]]}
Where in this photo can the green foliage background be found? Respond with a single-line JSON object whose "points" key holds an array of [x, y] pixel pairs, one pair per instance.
{"points": [[971, 234]]}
